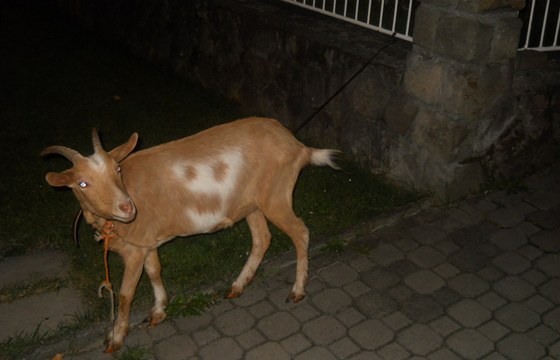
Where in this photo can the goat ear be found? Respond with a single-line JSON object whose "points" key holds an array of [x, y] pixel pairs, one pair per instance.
{"points": [[60, 179], [122, 151]]}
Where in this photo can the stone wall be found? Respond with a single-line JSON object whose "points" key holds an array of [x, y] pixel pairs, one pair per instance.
{"points": [[460, 105]]}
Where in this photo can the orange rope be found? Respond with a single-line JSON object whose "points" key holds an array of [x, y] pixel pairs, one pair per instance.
{"points": [[107, 234]]}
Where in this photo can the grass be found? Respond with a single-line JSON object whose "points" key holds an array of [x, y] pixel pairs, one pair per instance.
{"points": [[57, 83]]}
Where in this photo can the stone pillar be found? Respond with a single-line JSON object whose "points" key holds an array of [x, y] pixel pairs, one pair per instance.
{"points": [[457, 92]]}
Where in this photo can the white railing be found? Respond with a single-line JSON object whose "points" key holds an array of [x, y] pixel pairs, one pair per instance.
{"points": [[386, 16], [541, 24], [541, 18]]}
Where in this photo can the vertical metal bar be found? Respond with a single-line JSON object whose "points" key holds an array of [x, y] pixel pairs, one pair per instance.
{"points": [[356, 12], [530, 26], [334, 7], [345, 7], [545, 20], [395, 16], [408, 17], [369, 11], [381, 13], [555, 43]]}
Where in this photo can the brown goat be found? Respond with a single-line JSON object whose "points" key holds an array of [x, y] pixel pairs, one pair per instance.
{"points": [[199, 184]]}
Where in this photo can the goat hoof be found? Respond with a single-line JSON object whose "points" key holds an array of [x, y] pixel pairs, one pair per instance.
{"points": [[233, 295], [295, 298]]}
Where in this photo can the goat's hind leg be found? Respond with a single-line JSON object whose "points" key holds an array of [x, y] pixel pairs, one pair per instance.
{"points": [[261, 241], [153, 269]]}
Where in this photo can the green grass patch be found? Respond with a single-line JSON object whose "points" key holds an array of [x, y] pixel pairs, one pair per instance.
{"points": [[11, 292]]}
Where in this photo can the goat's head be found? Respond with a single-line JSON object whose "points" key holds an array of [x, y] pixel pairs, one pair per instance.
{"points": [[96, 180]]}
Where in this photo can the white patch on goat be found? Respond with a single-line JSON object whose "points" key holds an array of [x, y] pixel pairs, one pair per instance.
{"points": [[208, 182], [98, 163]]}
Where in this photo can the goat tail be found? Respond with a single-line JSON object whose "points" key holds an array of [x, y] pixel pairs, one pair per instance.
{"points": [[322, 157]]}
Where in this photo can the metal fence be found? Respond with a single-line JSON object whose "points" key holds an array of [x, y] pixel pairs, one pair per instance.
{"points": [[541, 23], [541, 18], [386, 16]]}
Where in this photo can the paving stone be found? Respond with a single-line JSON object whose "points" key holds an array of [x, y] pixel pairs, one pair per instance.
{"points": [[269, 351], [534, 277], [547, 240], [466, 215], [511, 263], [331, 300], [385, 254], [316, 353], [278, 325], [493, 330], [494, 356], [295, 344], [485, 205], [139, 338], [443, 354], [350, 317], [491, 300], [250, 339], [446, 270], [222, 349], [422, 308], [402, 268], [221, 307], [517, 317], [371, 334], [446, 297], [530, 252], [552, 319], [526, 229], [523, 208], [419, 339], [365, 355], [551, 290], [304, 312], [192, 323], [250, 297], [380, 278], [468, 285], [469, 313], [543, 200], [505, 198], [234, 322], [314, 286], [520, 347], [338, 274], [406, 244], [162, 331], [361, 263], [278, 299], [427, 234], [261, 309], [470, 344], [490, 273], [424, 281], [554, 350], [375, 305], [393, 351], [469, 259], [447, 247], [539, 304], [514, 288], [467, 237], [396, 321], [400, 293], [505, 217], [356, 289], [544, 219], [544, 335], [205, 336], [509, 239], [315, 330], [550, 264], [343, 348], [444, 325], [426, 256], [176, 347]]}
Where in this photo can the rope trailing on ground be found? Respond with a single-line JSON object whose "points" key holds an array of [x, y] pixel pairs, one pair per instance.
{"points": [[107, 234]]}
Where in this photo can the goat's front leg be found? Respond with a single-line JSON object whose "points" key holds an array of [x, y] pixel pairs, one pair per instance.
{"points": [[133, 260], [153, 269]]}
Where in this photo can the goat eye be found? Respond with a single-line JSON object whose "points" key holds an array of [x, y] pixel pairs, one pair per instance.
{"points": [[82, 184]]}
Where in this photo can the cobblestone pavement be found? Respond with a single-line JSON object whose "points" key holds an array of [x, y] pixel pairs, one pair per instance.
{"points": [[477, 280]]}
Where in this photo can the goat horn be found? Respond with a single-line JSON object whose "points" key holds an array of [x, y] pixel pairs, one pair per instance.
{"points": [[97, 147], [68, 153]]}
